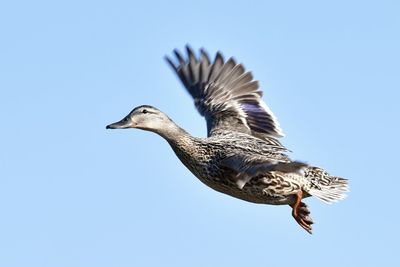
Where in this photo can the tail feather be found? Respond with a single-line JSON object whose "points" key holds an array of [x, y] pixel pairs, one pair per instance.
{"points": [[325, 187]]}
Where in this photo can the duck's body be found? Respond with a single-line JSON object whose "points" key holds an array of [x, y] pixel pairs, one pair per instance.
{"points": [[209, 158], [241, 156]]}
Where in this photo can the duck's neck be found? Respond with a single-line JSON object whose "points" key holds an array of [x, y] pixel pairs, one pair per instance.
{"points": [[175, 135], [185, 146]]}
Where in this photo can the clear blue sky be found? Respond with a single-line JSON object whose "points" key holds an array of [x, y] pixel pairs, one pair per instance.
{"points": [[75, 194]]}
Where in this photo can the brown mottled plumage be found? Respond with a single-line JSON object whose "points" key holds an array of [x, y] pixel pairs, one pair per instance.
{"points": [[241, 156]]}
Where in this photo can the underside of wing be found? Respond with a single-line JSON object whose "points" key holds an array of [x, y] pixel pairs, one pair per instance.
{"points": [[225, 94]]}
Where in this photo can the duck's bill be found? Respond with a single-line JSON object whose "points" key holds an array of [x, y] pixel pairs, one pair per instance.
{"points": [[122, 124]]}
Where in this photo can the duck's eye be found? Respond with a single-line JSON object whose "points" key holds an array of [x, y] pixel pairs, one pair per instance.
{"points": [[144, 111]]}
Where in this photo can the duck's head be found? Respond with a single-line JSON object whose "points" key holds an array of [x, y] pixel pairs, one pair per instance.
{"points": [[144, 117]]}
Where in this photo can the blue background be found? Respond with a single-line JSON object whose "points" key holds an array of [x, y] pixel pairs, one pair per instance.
{"points": [[75, 194]]}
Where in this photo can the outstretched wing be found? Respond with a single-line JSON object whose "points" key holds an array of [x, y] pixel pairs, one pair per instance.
{"points": [[225, 94]]}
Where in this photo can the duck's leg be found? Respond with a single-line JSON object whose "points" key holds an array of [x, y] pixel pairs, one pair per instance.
{"points": [[301, 213]]}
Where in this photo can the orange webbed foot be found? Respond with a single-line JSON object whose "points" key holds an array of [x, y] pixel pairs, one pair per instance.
{"points": [[301, 213]]}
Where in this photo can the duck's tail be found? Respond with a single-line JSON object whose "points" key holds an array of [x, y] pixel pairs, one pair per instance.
{"points": [[325, 187]]}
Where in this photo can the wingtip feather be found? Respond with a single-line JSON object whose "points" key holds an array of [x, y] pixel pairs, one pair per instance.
{"points": [[170, 62]]}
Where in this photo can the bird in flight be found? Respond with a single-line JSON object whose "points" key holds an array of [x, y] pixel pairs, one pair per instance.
{"points": [[241, 156]]}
